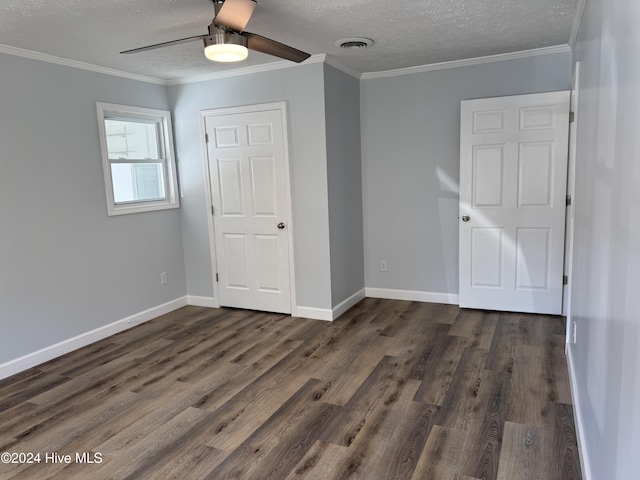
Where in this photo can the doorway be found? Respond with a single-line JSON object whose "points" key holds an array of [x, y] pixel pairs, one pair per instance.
{"points": [[513, 180], [251, 231]]}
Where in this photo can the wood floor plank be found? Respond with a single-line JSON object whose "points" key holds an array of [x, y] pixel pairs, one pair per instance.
{"points": [[121, 459], [521, 452], [185, 463], [560, 447], [220, 388], [146, 330], [547, 451], [442, 455], [284, 333], [459, 408], [477, 326], [557, 384], [402, 439], [190, 314], [55, 417], [391, 389], [187, 359], [13, 381], [418, 359], [57, 432], [483, 441], [505, 339], [396, 453], [107, 428], [439, 369], [98, 376], [346, 377], [331, 362], [339, 340], [277, 445], [532, 329], [134, 351], [416, 334], [370, 404], [14, 420], [386, 312], [240, 416], [322, 460], [82, 356], [527, 396], [408, 323], [336, 349], [447, 314], [28, 388]]}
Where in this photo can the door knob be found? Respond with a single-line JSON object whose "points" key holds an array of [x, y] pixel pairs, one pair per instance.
{"points": [[466, 218], [281, 226]]}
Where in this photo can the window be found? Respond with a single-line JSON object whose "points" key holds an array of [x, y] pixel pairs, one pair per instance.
{"points": [[137, 157]]}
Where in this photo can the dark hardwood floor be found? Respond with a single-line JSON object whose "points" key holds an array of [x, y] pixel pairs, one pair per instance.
{"points": [[391, 390]]}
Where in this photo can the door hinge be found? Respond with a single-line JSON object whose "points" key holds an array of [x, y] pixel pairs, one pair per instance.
{"points": [[572, 117], [568, 199], [206, 138], [565, 279], [216, 277], [212, 210]]}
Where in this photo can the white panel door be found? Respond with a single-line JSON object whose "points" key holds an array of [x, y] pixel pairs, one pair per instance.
{"points": [[513, 174], [247, 178]]}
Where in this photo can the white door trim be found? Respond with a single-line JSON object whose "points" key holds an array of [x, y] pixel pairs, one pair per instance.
{"points": [[282, 108], [571, 191]]}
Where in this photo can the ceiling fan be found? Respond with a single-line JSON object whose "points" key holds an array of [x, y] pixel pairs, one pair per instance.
{"points": [[228, 42]]}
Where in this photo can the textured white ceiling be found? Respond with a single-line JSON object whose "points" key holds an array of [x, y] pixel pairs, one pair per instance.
{"points": [[406, 33]]}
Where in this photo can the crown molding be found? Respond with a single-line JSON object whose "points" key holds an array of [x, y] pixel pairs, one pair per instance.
{"points": [[468, 61], [576, 23], [319, 58], [339, 66], [43, 57], [265, 67]]}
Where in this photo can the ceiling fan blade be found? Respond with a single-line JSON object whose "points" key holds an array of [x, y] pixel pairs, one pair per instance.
{"points": [[165, 44], [266, 45], [234, 14]]}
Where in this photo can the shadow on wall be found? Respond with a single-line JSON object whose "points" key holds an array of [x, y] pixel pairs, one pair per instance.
{"points": [[448, 209]]}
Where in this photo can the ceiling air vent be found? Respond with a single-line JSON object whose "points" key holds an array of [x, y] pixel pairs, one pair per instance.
{"points": [[358, 42]]}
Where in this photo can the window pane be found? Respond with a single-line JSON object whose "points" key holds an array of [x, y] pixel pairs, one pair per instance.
{"points": [[137, 158], [137, 182], [131, 140]]}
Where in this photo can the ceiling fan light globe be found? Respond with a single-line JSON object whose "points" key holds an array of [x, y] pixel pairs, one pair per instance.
{"points": [[226, 52]]}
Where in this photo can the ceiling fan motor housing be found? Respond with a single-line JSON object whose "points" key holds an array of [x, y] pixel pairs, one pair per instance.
{"points": [[220, 36]]}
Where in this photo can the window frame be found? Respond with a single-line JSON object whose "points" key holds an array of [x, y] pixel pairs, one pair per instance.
{"points": [[162, 120]]}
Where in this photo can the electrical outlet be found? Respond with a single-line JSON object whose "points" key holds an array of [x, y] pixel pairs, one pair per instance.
{"points": [[383, 265], [163, 278], [575, 332]]}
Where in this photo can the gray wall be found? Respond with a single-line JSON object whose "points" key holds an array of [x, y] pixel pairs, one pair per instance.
{"points": [[410, 164], [342, 107], [606, 272], [66, 267], [302, 87]]}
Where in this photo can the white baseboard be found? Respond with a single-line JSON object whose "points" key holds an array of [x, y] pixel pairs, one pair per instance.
{"points": [[202, 301], [314, 313], [577, 418], [329, 314], [48, 353], [347, 304], [61, 348], [413, 295]]}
